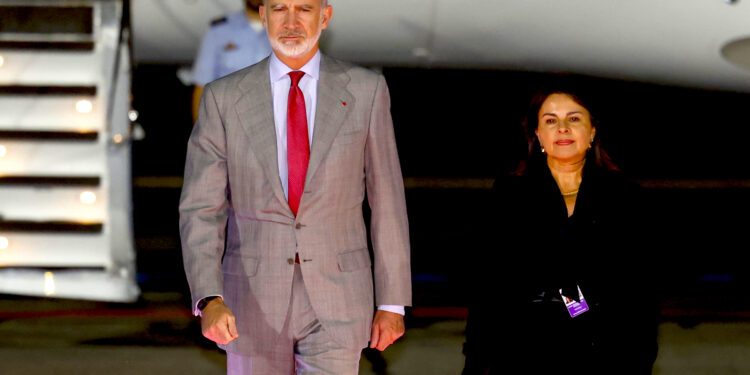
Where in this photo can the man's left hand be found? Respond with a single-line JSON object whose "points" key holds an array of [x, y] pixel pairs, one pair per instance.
{"points": [[387, 327]]}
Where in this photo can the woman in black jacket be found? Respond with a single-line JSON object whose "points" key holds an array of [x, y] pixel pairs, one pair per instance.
{"points": [[566, 287]]}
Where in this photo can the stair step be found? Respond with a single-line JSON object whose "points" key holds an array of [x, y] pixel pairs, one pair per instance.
{"points": [[46, 19], [45, 135], [49, 180], [55, 249], [49, 226], [47, 90], [56, 203], [50, 112], [47, 45]]}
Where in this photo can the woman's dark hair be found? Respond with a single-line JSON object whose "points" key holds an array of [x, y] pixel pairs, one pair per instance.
{"points": [[531, 123]]}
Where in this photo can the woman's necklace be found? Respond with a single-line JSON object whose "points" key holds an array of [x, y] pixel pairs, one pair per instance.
{"points": [[573, 177], [574, 192]]}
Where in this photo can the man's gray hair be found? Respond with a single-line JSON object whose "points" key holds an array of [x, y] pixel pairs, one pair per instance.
{"points": [[323, 3]]}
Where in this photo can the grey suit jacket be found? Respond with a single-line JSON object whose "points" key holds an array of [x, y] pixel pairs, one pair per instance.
{"points": [[239, 234]]}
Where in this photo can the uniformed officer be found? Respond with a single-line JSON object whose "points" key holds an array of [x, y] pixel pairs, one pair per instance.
{"points": [[232, 43]]}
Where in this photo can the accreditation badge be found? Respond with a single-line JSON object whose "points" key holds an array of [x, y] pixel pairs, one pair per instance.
{"points": [[575, 308]]}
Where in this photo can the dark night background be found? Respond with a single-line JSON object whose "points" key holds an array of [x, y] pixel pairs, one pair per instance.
{"points": [[456, 131], [685, 145]]}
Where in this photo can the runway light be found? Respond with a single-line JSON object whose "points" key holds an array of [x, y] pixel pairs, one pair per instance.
{"points": [[3, 151], [84, 106], [49, 283], [88, 197], [3, 243]]}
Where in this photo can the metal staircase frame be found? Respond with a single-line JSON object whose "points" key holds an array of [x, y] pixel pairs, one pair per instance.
{"points": [[65, 125]]}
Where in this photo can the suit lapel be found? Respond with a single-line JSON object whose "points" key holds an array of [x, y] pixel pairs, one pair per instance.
{"points": [[255, 110], [334, 101]]}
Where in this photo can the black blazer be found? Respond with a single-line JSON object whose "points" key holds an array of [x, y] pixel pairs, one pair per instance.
{"points": [[533, 249]]}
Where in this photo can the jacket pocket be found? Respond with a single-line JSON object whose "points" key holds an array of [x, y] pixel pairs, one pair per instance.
{"points": [[240, 266], [347, 138], [353, 260]]}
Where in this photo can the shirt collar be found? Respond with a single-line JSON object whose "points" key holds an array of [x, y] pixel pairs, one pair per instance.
{"points": [[279, 70]]}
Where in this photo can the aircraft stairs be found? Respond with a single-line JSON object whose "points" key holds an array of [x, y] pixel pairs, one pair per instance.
{"points": [[65, 131]]}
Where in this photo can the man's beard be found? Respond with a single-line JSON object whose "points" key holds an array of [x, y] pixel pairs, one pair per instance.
{"points": [[297, 48]]}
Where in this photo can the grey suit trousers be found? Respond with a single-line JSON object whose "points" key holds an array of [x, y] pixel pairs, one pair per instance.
{"points": [[304, 346]]}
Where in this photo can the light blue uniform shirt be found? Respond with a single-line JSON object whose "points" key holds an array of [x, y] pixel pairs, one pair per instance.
{"points": [[228, 46]]}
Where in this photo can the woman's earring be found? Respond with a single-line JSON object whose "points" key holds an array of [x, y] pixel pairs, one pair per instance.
{"points": [[542, 149]]}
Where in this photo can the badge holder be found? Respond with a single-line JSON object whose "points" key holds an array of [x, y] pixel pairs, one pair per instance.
{"points": [[575, 308]]}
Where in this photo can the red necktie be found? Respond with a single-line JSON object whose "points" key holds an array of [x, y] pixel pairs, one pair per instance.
{"points": [[297, 142]]}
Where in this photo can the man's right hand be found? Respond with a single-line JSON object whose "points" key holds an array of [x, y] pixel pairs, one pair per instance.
{"points": [[217, 322]]}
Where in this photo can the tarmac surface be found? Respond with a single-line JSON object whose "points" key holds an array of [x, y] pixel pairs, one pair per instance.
{"points": [[157, 335]]}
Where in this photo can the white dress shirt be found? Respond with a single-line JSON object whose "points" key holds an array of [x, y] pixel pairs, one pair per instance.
{"points": [[280, 84]]}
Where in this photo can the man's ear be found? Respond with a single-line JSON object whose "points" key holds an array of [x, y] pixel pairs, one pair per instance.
{"points": [[327, 14], [262, 14]]}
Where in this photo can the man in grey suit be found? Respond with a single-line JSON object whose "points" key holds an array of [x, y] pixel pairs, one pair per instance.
{"points": [[273, 236]]}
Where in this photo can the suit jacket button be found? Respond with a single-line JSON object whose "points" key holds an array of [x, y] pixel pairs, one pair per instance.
{"points": [[298, 226], [290, 261]]}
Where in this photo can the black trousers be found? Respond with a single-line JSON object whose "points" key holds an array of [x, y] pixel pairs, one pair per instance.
{"points": [[541, 338]]}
